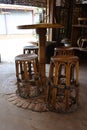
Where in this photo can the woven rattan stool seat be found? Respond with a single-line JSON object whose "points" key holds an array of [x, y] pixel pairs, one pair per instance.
{"points": [[25, 57]]}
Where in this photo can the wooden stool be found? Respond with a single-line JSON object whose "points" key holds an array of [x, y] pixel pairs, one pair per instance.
{"points": [[62, 91], [24, 78], [30, 49], [64, 51]]}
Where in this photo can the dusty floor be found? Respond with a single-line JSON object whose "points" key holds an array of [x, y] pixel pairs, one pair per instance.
{"points": [[14, 118]]}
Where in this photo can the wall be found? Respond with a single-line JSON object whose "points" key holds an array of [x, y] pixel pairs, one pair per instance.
{"points": [[13, 18]]}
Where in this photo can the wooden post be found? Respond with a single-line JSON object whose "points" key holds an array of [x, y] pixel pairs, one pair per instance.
{"points": [[50, 16]]}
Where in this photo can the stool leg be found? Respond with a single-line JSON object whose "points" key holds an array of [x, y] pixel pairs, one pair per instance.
{"points": [[54, 93], [72, 73], [67, 90], [27, 90], [22, 70], [49, 85], [48, 93], [30, 69], [51, 70], [23, 51], [36, 52], [77, 71], [36, 74], [18, 76], [35, 67], [17, 70], [77, 87]]}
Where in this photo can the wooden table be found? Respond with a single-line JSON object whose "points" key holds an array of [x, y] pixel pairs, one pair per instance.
{"points": [[41, 30]]}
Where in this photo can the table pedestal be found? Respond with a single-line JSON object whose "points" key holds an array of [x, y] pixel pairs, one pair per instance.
{"points": [[42, 43]]}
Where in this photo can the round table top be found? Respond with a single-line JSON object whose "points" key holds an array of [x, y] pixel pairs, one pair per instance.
{"points": [[41, 25]]}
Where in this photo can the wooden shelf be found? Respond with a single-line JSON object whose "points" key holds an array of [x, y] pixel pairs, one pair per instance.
{"points": [[79, 26]]}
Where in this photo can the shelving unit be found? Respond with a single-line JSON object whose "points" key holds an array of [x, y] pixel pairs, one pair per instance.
{"points": [[78, 30]]}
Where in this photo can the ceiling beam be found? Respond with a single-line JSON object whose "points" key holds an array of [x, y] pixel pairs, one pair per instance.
{"points": [[15, 7]]}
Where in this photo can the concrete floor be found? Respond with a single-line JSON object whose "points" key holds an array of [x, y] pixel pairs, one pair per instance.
{"points": [[14, 118]]}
